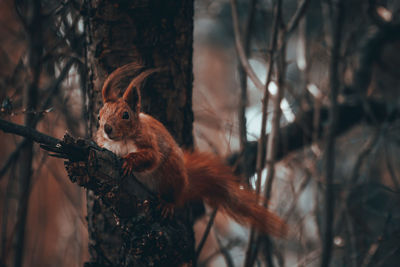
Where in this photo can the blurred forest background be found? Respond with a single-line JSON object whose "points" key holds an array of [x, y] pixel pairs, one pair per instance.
{"points": [[329, 163]]}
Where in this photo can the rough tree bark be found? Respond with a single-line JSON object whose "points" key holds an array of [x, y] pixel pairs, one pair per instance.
{"points": [[157, 33]]}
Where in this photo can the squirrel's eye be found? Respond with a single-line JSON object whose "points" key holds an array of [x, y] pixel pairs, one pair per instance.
{"points": [[98, 118], [125, 115]]}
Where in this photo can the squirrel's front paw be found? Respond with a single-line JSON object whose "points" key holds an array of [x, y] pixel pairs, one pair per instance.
{"points": [[128, 165]]}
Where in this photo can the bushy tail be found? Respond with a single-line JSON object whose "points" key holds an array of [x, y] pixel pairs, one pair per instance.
{"points": [[214, 182]]}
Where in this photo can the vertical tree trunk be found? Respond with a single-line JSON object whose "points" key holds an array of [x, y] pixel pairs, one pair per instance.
{"points": [[157, 33], [30, 100]]}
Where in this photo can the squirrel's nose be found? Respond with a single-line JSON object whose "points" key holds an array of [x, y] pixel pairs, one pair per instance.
{"points": [[107, 128]]}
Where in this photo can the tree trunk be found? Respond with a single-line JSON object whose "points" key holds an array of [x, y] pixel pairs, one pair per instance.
{"points": [[159, 34]]}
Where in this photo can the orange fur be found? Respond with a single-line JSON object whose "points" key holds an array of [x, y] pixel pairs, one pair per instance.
{"points": [[214, 182], [153, 156]]}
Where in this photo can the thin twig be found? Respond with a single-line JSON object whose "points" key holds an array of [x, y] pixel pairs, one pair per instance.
{"points": [[296, 196], [312, 256], [262, 141], [373, 249], [243, 76], [205, 235], [355, 174], [241, 51], [52, 90], [362, 155], [50, 51], [6, 213], [273, 138], [231, 244], [252, 249], [21, 17], [330, 140], [391, 170], [299, 13], [326, 10], [352, 238], [225, 253], [11, 159]]}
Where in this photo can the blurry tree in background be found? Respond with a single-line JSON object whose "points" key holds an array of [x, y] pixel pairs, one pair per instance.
{"points": [[309, 118], [42, 52]]}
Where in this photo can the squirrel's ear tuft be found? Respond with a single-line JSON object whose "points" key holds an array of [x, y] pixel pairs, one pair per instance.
{"points": [[108, 93], [114, 81], [132, 93], [132, 97]]}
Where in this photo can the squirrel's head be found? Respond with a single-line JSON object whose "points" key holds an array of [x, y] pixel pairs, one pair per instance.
{"points": [[119, 116]]}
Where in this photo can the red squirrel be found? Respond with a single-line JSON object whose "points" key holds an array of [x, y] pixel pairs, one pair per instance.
{"points": [[151, 154]]}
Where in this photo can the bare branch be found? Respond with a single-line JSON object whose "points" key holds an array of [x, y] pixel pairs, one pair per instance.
{"points": [[274, 136], [252, 249], [225, 253], [330, 140], [224, 250], [312, 256], [375, 245], [11, 159], [206, 233], [27, 132], [6, 213], [243, 76], [53, 89], [366, 150], [240, 50], [299, 13], [351, 236], [390, 168]]}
